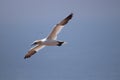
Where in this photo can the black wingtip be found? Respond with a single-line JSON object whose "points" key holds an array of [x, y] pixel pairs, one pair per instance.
{"points": [[65, 20], [29, 54], [27, 57], [70, 16]]}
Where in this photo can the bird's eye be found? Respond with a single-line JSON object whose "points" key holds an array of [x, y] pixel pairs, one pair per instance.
{"points": [[35, 43]]}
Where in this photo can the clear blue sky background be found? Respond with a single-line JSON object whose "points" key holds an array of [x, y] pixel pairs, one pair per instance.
{"points": [[93, 36]]}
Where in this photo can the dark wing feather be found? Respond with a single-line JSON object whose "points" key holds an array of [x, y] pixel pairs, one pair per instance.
{"points": [[58, 27], [33, 51], [30, 53], [65, 21]]}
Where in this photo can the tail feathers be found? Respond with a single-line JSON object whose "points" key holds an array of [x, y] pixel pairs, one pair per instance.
{"points": [[60, 43]]}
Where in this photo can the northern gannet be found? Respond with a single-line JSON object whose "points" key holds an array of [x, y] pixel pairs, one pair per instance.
{"points": [[50, 40]]}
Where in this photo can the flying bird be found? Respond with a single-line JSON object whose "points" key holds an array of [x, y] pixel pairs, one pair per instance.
{"points": [[50, 40]]}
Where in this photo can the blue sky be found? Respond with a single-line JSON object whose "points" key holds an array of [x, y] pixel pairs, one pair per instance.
{"points": [[93, 36]]}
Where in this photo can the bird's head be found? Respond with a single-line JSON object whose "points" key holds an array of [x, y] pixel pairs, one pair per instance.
{"points": [[37, 42]]}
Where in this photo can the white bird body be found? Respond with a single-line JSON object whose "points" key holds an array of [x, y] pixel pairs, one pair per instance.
{"points": [[50, 40], [46, 42]]}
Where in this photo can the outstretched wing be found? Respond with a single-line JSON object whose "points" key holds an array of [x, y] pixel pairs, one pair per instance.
{"points": [[33, 50], [58, 27]]}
